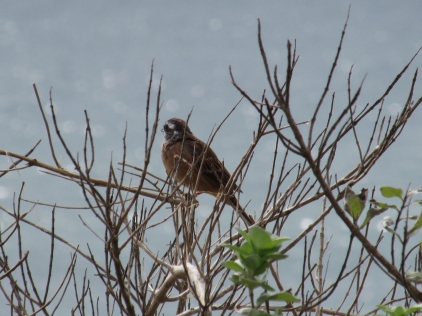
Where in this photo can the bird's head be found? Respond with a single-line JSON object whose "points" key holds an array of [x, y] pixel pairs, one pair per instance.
{"points": [[174, 129]]}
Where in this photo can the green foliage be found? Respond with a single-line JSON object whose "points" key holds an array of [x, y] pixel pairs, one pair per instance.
{"points": [[416, 226], [390, 192], [254, 257], [354, 205], [380, 207], [399, 310], [258, 312], [372, 212], [281, 296], [384, 205]]}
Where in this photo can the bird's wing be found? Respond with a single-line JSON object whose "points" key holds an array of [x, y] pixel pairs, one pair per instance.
{"points": [[212, 167]]}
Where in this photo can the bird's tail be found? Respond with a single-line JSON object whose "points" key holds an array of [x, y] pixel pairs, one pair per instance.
{"points": [[247, 219]]}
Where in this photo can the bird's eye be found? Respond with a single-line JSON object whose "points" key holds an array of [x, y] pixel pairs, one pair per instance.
{"points": [[166, 127]]}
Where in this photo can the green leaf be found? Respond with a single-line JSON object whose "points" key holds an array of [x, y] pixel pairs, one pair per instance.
{"points": [[262, 269], [417, 202], [240, 251], [416, 226], [235, 278], [281, 296], [390, 192], [252, 312], [244, 234], [253, 284], [275, 257], [233, 265], [270, 251], [278, 240], [386, 309], [252, 262], [266, 287], [264, 297], [372, 212], [246, 248], [414, 308], [399, 310], [390, 230], [260, 239], [394, 310], [231, 247], [384, 205], [285, 297]]}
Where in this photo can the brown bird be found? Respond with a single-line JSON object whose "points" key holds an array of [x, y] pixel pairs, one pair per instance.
{"points": [[197, 165]]}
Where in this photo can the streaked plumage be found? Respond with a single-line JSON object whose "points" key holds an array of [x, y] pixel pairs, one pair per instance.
{"points": [[213, 176]]}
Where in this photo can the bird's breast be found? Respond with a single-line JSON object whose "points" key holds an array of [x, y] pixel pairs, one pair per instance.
{"points": [[170, 151]]}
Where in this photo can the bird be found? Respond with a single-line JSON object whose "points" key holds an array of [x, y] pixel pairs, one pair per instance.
{"points": [[195, 165], [354, 203]]}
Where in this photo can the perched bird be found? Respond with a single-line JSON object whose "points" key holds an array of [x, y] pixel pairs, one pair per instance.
{"points": [[354, 203], [195, 165]]}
